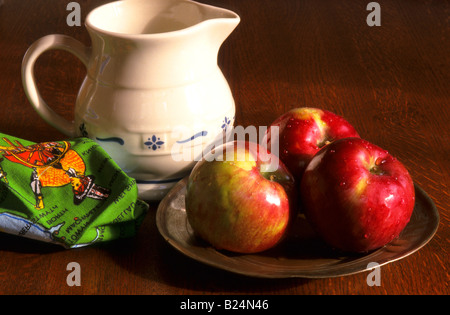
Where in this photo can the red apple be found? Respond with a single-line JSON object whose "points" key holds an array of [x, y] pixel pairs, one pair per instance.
{"points": [[239, 200], [356, 195], [303, 132]]}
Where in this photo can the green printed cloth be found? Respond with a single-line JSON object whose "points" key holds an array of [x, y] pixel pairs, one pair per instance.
{"points": [[66, 192]]}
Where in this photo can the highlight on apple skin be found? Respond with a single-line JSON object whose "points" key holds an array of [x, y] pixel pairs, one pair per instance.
{"points": [[356, 195], [303, 132], [234, 204]]}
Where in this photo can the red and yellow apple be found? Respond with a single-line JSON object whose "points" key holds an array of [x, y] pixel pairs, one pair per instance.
{"points": [[236, 201], [303, 132], [356, 195]]}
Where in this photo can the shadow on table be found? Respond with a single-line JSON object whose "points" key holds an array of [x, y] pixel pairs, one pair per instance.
{"points": [[166, 267], [149, 256], [14, 243]]}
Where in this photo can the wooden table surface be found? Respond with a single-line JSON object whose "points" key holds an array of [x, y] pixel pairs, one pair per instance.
{"points": [[390, 81]]}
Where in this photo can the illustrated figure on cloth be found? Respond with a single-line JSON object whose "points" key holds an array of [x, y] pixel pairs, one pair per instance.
{"points": [[53, 164]]}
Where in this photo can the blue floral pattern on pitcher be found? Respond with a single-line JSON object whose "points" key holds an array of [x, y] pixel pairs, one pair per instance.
{"points": [[226, 123], [154, 143]]}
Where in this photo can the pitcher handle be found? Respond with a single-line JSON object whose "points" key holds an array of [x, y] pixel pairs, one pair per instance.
{"points": [[43, 44]]}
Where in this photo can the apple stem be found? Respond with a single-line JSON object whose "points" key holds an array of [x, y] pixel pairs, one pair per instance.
{"points": [[324, 142], [376, 170]]}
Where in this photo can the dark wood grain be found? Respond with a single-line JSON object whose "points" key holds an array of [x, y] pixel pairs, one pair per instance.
{"points": [[391, 82]]}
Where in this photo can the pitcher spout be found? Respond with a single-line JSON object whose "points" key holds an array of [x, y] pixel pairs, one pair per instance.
{"points": [[221, 22], [179, 38]]}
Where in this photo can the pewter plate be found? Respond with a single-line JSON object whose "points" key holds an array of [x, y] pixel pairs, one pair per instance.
{"points": [[302, 254]]}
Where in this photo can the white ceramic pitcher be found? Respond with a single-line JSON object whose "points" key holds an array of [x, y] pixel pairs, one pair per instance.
{"points": [[154, 96]]}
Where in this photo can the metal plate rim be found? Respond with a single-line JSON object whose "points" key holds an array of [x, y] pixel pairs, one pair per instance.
{"points": [[204, 253]]}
